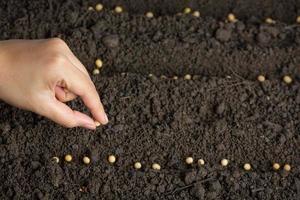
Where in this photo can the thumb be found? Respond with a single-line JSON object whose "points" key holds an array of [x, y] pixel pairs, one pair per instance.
{"points": [[64, 115]]}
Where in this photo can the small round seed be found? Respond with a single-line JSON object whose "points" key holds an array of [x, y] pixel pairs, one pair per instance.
{"points": [[187, 10], [196, 14], [298, 20], [112, 159], [247, 166], [98, 63], [287, 167], [118, 9], [149, 14], [97, 123], [90, 8], [261, 78], [287, 79], [68, 158], [201, 162], [86, 160], [156, 166], [99, 7], [96, 71], [231, 17], [224, 162], [270, 21], [175, 77], [55, 159], [189, 160], [276, 166], [137, 165], [187, 77]]}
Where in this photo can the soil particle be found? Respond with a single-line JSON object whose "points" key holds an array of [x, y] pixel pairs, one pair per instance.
{"points": [[263, 38], [111, 41], [198, 191], [223, 35]]}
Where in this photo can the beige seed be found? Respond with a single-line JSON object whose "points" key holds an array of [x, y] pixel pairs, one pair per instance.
{"points": [[261, 78], [187, 10], [98, 63], [247, 166], [175, 77], [187, 77], [224, 162], [201, 162], [163, 77], [86, 160], [99, 7], [196, 14], [231, 17], [149, 14], [298, 20], [137, 165], [189, 160], [287, 79], [276, 166], [97, 123], [156, 166], [55, 159], [96, 71], [150, 75], [270, 21], [112, 159], [90, 8], [118, 9], [287, 167], [68, 158]]}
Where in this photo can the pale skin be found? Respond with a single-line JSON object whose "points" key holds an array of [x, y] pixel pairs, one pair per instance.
{"points": [[41, 75]]}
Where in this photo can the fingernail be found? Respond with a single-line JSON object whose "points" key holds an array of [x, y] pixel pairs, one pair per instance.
{"points": [[105, 118]]}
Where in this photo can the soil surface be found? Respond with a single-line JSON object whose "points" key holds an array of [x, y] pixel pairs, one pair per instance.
{"points": [[223, 112]]}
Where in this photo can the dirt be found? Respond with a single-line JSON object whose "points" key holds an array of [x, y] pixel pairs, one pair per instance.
{"points": [[223, 112]]}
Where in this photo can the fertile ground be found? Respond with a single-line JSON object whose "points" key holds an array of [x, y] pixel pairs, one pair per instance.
{"points": [[222, 112]]}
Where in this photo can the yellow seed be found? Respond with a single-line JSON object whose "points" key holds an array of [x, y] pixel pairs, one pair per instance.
{"points": [[187, 10], [90, 8], [201, 162], [175, 77], [68, 158], [137, 165], [98, 63], [276, 166], [196, 14], [270, 21], [287, 79], [298, 19], [96, 71], [55, 159], [149, 14], [112, 159], [189, 160], [247, 166], [156, 166], [187, 77], [224, 162], [86, 160], [118, 9], [150, 75], [231, 17], [97, 123], [99, 7], [287, 167], [261, 78]]}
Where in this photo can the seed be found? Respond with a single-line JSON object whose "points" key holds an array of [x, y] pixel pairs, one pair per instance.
{"points": [[99, 7], [86, 160], [224, 162], [276, 166], [231, 17], [90, 8], [187, 10], [55, 159], [298, 19], [187, 77], [287, 167], [98, 63], [247, 166], [175, 77], [149, 14], [68, 158], [201, 162], [97, 123], [196, 14], [163, 77], [137, 165], [270, 21], [118, 9], [189, 160], [156, 166], [261, 78], [112, 159], [150, 75], [287, 79], [96, 71]]}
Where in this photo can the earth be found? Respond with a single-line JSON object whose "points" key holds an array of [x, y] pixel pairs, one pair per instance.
{"points": [[157, 113]]}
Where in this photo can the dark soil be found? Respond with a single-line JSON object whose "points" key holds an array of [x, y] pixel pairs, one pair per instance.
{"points": [[223, 112]]}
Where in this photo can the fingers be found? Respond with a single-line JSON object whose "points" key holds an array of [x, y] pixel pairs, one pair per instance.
{"points": [[81, 85], [74, 60], [64, 115], [64, 95]]}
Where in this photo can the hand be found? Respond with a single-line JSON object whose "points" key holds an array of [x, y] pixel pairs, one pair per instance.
{"points": [[40, 75]]}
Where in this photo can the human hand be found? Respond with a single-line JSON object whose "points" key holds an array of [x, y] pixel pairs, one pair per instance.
{"points": [[40, 75]]}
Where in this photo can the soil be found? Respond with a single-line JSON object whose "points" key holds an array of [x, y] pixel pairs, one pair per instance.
{"points": [[223, 112]]}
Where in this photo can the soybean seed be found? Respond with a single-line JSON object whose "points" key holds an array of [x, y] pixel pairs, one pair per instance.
{"points": [[196, 14], [247, 166], [231, 17], [287, 79], [187, 10], [99, 7], [261, 78], [86, 160], [201, 162], [118, 9], [149, 14], [112, 159], [287, 167], [68, 158], [276, 166], [224, 162], [189, 160], [137, 165], [156, 166]]}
